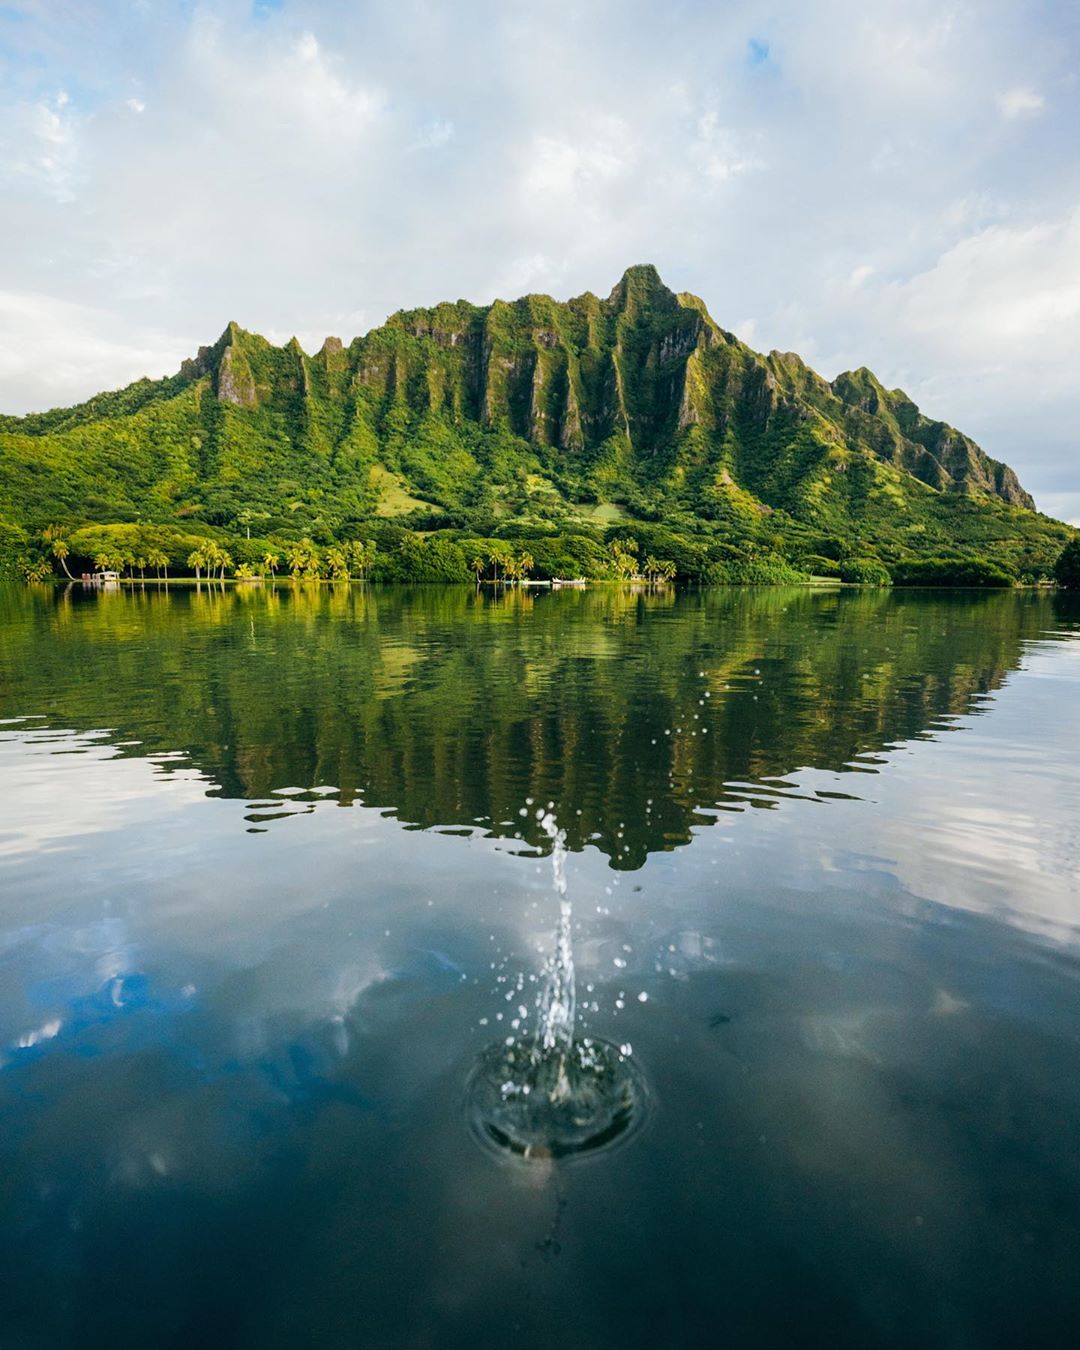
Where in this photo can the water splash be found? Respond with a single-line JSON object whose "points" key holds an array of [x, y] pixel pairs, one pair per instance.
{"points": [[556, 1002], [551, 1094]]}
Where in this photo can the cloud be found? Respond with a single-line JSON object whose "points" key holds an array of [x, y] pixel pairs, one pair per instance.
{"points": [[41, 148], [1020, 102], [829, 180], [717, 152], [57, 352], [1004, 293], [436, 134]]}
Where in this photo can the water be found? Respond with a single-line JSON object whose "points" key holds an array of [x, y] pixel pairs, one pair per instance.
{"points": [[550, 1094], [268, 907]]}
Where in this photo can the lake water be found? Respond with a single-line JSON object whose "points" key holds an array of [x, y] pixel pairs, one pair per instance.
{"points": [[271, 882]]}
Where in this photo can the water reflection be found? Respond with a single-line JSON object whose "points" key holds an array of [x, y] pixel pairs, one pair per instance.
{"points": [[233, 1065], [641, 714]]}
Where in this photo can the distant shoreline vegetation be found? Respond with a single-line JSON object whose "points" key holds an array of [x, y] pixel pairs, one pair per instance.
{"points": [[393, 553]]}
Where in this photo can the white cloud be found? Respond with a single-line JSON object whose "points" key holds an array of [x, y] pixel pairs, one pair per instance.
{"points": [[436, 134], [1020, 102], [57, 352], [849, 198], [717, 151], [560, 169], [998, 292], [40, 148]]}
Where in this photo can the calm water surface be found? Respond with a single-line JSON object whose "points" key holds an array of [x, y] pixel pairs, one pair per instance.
{"points": [[267, 893]]}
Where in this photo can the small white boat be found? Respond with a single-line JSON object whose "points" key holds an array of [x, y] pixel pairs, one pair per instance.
{"points": [[579, 582]]}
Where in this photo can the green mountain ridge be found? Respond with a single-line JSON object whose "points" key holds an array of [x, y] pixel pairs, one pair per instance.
{"points": [[531, 414]]}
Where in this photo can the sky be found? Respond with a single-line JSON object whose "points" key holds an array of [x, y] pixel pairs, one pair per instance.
{"points": [[895, 185]]}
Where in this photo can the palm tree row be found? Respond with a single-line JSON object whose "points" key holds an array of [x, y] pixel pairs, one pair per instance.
{"points": [[339, 562], [211, 558], [658, 569], [514, 566]]}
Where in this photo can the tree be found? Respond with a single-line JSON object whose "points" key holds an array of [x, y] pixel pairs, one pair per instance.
{"points": [[338, 564], [270, 562], [197, 560], [362, 553], [158, 559], [526, 563], [297, 556], [140, 563], [623, 556], [247, 516], [499, 555], [60, 550], [477, 565], [865, 572], [36, 569], [1067, 567]]}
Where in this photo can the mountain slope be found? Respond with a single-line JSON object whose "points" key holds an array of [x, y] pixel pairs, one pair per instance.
{"points": [[638, 406]]}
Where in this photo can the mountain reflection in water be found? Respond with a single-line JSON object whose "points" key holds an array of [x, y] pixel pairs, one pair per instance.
{"points": [[640, 714]]}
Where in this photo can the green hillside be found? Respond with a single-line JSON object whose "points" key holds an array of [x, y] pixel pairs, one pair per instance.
{"points": [[558, 424]]}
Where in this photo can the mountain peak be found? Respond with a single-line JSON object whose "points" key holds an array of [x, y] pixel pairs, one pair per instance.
{"points": [[640, 287]]}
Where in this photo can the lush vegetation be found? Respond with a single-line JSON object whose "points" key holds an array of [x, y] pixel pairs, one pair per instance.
{"points": [[1067, 567], [463, 433]]}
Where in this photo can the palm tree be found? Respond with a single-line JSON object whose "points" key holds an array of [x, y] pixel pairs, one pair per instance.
{"points": [[140, 563], [60, 550], [296, 557], [363, 555], [624, 556], [477, 565], [526, 563], [36, 570], [157, 559], [224, 559], [197, 559], [270, 562], [338, 564], [499, 554]]}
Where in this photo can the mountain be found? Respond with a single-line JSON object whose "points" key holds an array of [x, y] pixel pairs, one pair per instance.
{"points": [[537, 414]]}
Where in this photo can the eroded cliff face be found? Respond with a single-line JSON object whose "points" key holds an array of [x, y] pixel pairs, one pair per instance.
{"points": [[640, 396]]}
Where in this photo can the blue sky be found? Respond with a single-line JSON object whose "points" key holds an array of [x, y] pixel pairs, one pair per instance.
{"points": [[885, 184]]}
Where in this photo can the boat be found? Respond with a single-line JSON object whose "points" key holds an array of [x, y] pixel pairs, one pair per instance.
{"points": [[579, 582]]}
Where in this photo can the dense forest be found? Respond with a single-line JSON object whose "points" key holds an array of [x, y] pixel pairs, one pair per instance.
{"points": [[598, 438]]}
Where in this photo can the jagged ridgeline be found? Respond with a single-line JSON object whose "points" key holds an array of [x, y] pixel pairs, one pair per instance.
{"points": [[588, 416]]}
